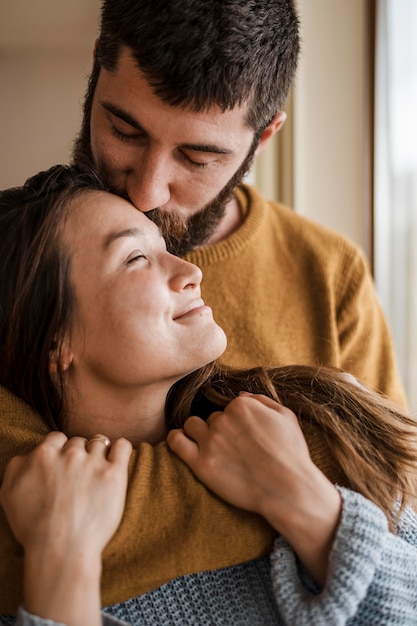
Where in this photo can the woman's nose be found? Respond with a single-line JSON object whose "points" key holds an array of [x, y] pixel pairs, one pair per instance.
{"points": [[185, 275]]}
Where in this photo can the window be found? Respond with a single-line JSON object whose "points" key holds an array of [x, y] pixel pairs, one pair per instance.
{"points": [[395, 209]]}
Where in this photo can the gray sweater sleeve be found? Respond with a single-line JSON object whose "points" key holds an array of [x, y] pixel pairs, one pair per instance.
{"points": [[372, 581], [27, 619], [372, 578]]}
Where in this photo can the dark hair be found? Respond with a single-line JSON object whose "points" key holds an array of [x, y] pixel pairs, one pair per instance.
{"points": [[36, 299], [200, 53]]}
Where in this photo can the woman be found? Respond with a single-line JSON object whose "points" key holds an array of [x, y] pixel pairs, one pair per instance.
{"points": [[105, 332]]}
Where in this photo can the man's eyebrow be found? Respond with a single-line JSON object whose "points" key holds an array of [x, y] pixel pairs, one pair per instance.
{"points": [[125, 117], [206, 148]]}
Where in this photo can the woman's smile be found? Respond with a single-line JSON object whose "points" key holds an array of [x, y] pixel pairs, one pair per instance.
{"points": [[194, 308]]}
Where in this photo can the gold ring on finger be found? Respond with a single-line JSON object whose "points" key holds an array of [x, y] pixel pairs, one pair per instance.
{"points": [[99, 438]]}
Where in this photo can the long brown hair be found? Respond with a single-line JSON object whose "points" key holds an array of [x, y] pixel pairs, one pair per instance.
{"points": [[36, 298], [372, 439]]}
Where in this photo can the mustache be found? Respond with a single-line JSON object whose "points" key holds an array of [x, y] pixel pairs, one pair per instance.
{"points": [[174, 228]]}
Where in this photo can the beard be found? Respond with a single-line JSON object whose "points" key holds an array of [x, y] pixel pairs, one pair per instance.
{"points": [[182, 234]]}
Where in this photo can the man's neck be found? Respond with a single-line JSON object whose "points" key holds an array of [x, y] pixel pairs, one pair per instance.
{"points": [[232, 220]]}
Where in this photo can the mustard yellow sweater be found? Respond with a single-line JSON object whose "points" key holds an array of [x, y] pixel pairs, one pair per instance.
{"points": [[172, 524], [287, 290]]}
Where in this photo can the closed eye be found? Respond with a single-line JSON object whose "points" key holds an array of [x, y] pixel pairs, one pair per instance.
{"points": [[123, 137], [135, 258], [191, 162]]}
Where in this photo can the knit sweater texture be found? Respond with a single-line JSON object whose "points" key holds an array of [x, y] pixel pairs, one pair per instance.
{"points": [[372, 581], [287, 290]]}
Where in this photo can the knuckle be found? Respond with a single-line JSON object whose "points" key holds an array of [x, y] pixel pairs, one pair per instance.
{"points": [[74, 455], [208, 464], [239, 403], [43, 453]]}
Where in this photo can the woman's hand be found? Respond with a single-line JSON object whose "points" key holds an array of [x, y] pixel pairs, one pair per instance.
{"points": [[64, 501], [254, 455]]}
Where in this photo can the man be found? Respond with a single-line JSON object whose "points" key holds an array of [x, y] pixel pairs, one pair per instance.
{"points": [[181, 98]]}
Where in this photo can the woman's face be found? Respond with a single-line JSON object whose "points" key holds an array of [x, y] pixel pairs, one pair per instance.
{"points": [[139, 315]]}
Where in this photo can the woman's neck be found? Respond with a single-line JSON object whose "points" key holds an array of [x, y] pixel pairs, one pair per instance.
{"points": [[138, 414]]}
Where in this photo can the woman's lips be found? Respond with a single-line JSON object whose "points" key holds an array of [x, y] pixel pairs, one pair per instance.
{"points": [[195, 307]]}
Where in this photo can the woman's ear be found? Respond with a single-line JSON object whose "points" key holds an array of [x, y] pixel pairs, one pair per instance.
{"points": [[272, 128], [60, 357]]}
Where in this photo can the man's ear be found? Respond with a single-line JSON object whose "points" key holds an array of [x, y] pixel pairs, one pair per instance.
{"points": [[60, 358], [272, 128]]}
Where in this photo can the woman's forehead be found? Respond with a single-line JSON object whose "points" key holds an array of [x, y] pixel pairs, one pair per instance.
{"points": [[106, 216]]}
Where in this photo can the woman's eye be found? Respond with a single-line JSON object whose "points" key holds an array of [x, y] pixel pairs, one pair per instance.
{"points": [[135, 258]]}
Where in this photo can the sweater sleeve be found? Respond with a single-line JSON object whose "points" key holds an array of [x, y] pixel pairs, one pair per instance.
{"points": [[365, 342], [372, 577], [27, 619]]}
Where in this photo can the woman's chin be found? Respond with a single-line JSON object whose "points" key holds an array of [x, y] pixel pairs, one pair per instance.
{"points": [[212, 345], [220, 343]]}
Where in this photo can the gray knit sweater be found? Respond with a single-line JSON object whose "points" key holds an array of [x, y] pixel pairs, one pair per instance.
{"points": [[372, 580]]}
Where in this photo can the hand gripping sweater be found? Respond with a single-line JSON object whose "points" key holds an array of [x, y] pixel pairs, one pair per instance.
{"points": [[287, 290], [372, 581], [163, 496]]}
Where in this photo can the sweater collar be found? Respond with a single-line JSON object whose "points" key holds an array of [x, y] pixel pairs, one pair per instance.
{"points": [[253, 209]]}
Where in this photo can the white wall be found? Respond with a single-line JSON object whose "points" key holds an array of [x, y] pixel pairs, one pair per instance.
{"points": [[40, 109], [45, 56], [330, 123]]}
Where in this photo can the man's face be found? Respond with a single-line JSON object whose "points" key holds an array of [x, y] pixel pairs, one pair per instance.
{"points": [[177, 164]]}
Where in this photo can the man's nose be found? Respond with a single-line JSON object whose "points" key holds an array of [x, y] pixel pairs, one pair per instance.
{"points": [[148, 185]]}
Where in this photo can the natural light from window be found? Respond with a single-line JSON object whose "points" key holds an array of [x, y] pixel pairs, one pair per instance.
{"points": [[396, 179]]}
